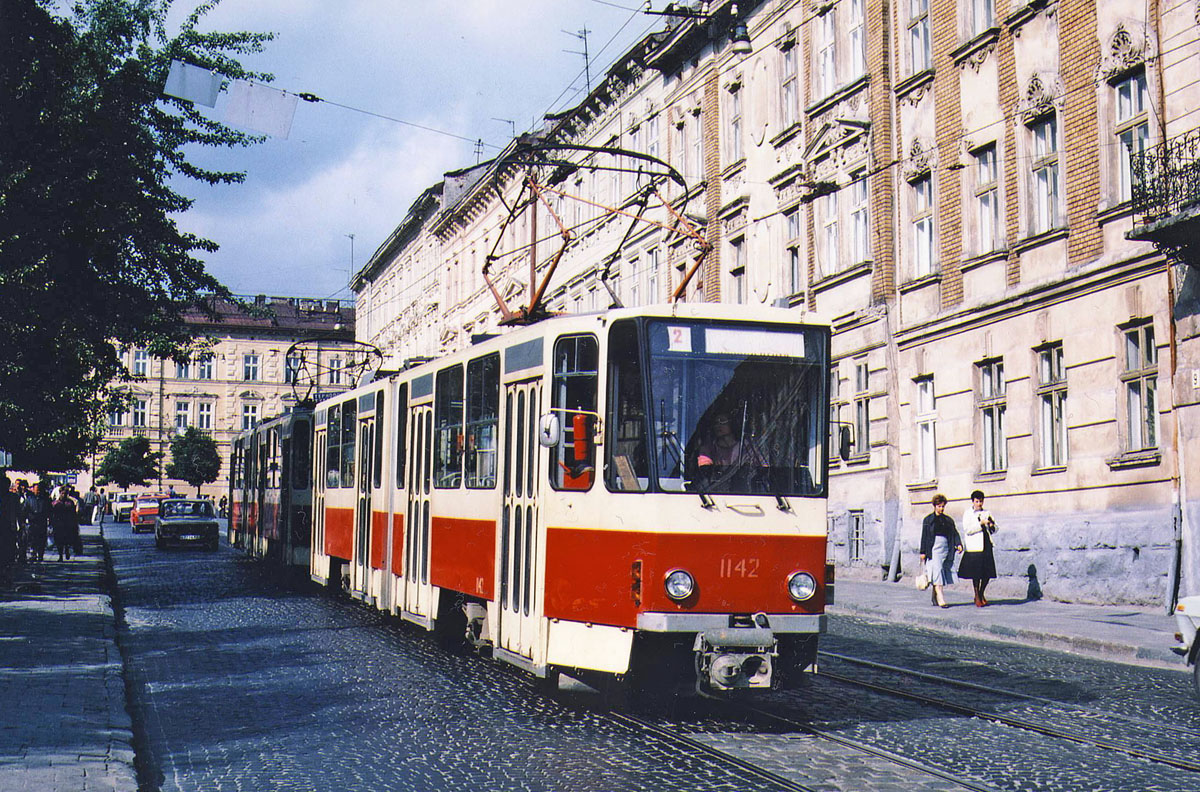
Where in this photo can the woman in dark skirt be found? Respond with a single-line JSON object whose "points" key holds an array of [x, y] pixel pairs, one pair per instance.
{"points": [[978, 563], [64, 524]]}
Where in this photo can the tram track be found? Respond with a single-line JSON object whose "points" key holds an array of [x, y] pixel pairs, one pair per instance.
{"points": [[1075, 736], [1158, 725]]}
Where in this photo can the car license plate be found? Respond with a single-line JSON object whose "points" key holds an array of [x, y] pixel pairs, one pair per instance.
{"points": [[191, 537]]}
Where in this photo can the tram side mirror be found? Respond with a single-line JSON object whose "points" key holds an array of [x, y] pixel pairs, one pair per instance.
{"points": [[549, 430], [844, 442]]}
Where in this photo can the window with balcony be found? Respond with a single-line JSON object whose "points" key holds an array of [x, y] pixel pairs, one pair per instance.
{"points": [[1045, 188], [991, 401], [1140, 381], [1132, 129], [1052, 406]]}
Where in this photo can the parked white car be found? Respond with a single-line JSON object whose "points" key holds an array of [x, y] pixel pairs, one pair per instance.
{"points": [[1187, 616]]}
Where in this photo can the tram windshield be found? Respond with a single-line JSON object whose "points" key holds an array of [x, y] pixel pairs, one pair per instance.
{"points": [[718, 407]]}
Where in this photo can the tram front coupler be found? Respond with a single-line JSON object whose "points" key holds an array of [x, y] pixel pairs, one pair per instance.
{"points": [[735, 658]]}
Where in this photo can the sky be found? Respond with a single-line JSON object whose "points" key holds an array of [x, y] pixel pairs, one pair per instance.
{"points": [[451, 65]]}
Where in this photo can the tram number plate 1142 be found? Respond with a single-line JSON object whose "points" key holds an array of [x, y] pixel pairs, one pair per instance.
{"points": [[739, 567]]}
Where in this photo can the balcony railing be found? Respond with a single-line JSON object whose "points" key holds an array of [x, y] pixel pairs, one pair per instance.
{"points": [[1166, 177]]}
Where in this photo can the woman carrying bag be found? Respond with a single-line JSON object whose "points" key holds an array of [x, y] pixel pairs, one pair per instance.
{"points": [[978, 563], [939, 542]]}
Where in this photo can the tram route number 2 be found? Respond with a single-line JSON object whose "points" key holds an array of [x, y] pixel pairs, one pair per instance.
{"points": [[739, 567]]}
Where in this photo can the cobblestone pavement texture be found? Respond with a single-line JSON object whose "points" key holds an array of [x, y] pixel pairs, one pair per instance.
{"points": [[64, 726]]}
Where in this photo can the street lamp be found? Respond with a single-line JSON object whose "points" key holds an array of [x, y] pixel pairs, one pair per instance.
{"points": [[739, 34]]}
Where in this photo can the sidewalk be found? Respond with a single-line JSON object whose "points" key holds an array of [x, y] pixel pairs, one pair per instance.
{"points": [[1122, 633], [63, 724]]}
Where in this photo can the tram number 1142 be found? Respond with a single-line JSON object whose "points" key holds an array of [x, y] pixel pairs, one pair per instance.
{"points": [[739, 567]]}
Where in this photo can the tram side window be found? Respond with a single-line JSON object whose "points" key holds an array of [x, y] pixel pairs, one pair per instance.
{"points": [[377, 469], [349, 441], [483, 420], [626, 466], [333, 448], [448, 429], [301, 454], [401, 436], [573, 400]]}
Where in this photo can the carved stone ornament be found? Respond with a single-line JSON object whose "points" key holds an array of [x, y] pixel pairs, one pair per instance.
{"points": [[914, 97], [920, 160], [979, 57], [1128, 48], [1039, 97]]}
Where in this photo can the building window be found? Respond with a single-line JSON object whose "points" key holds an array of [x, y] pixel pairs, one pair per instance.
{"points": [[926, 451], [1132, 129], [987, 201], [1052, 401], [830, 250], [140, 411], [737, 249], [1045, 174], [291, 369], [204, 416], [789, 96], [733, 151], [922, 224], [857, 540], [183, 415], [982, 16], [182, 371], [141, 363], [116, 418], [1141, 382], [792, 245], [335, 371], [249, 416], [204, 367], [696, 139], [918, 35], [835, 410], [679, 152], [652, 265], [992, 396], [857, 38], [827, 54], [652, 136], [860, 223], [250, 367], [862, 409]]}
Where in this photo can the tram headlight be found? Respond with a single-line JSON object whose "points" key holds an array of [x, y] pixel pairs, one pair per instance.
{"points": [[801, 586], [679, 584]]}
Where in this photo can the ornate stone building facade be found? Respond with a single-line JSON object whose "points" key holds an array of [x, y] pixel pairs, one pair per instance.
{"points": [[239, 375], [948, 182]]}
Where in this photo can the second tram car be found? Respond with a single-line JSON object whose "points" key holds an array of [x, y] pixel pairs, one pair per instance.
{"points": [[635, 495], [270, 488]]}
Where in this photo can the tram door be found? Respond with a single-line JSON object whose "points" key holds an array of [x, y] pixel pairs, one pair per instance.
{"points": [[360, 571], [520, 615], [417, 591]]}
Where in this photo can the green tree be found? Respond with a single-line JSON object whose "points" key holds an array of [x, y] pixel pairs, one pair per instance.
{"points": [[90, 253], [194, 458], [132, 462]]}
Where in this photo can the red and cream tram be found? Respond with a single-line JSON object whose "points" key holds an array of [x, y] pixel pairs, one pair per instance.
{"points": [[270, 488], [632, 495]]}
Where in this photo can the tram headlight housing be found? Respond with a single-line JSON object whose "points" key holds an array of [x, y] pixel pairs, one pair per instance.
{"points": [[679, 584], [801, 586]]}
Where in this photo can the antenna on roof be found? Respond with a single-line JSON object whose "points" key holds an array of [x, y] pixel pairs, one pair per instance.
{"points": [[582, 35]]}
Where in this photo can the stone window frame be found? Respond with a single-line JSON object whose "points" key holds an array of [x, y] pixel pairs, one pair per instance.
{"points": [[1130, 128], [1139, 387], [921, 221], [986, 187], [789, 86], [793, 249], [141, 363], [139, 409], [860, 217], [919, 40], [829, 245], [1045, 174], [1050, 391], [991, 404], [737, 269], [249, 411], [204, 366], [862, 409], [856, 35], [250, 367], [734, 137], [183, 415], [825, 70], [925, 426], [205, 412]]}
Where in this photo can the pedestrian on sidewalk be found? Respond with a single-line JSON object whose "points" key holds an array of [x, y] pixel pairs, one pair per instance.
{"points": [[36, 511], [939, 543], [64, 523], [9, 525], [978, 563], [90, 503]]}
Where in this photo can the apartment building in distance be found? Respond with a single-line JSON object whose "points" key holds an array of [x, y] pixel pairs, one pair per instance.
{"points": [[951, 183], [242, 374]]}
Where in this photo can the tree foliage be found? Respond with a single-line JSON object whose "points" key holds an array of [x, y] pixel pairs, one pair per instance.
{"points": [[90, 253], [130, 463], [194, 458]]}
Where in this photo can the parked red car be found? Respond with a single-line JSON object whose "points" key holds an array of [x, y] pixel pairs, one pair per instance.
{"points": [[145, 512]]}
